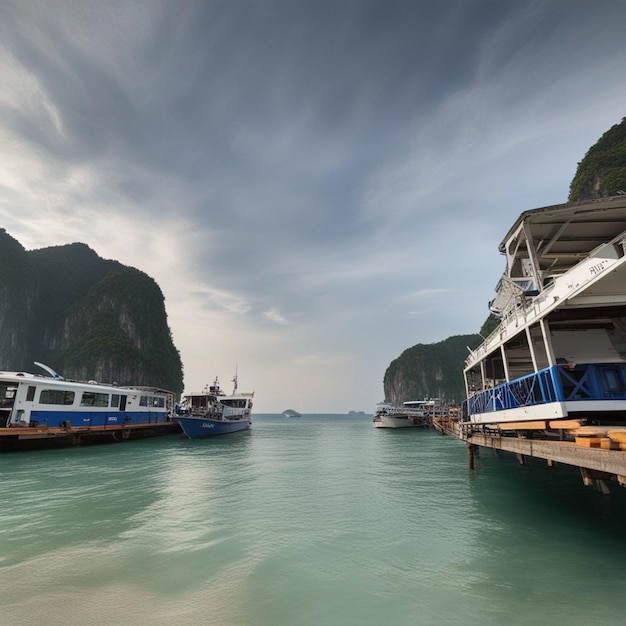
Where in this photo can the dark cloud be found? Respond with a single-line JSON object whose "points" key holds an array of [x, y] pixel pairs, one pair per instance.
{"points": [[327, 156]]}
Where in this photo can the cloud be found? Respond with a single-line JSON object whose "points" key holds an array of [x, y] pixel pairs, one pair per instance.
{"points": [[274, 316], [315, 186]]}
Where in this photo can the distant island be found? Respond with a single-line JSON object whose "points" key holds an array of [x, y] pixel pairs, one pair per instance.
{"points": [[291, 413], [357, 413]]}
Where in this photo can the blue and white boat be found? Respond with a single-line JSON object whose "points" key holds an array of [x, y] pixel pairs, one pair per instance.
{"points": [[211, 412], [47, 402], [557, 359]]}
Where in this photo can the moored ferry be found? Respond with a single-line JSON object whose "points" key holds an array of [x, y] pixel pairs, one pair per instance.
{"points": [[34, 407], [557, 358], [28, 400], [411, 414], [211, 412]]}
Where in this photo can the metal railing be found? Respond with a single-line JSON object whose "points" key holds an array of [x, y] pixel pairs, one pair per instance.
{"points": [[561, 383]]}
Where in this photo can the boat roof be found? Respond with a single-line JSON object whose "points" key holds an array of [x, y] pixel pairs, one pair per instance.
{"points": [[220, 394], [563, 234], [17, 377]]}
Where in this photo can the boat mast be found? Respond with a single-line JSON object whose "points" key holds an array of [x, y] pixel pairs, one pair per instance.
{"points": [[235, 381]]}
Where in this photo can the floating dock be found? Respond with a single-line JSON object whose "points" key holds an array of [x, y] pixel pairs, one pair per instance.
{"points": [[37, 438], [599, 452]]}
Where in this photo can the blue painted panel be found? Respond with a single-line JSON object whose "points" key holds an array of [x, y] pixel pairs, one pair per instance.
{"points": [[55, 419]]}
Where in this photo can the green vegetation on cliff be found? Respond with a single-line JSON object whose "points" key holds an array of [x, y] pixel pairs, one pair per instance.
{"points": [[86, 317], [602, 172]]}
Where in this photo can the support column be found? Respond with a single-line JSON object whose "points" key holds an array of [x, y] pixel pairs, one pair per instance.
{"points": [[595, 478], [471, 449]]}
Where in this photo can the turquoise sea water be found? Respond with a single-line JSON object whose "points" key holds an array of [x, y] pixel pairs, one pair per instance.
{"points": [[318, 520]]}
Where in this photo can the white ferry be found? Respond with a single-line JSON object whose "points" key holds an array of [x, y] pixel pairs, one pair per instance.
{"points": [[411, 414], [559, 352], [32, 401]]}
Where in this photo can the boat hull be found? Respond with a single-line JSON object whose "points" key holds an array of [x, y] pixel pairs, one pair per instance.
{"points": [[200, 427], [395, 421]]}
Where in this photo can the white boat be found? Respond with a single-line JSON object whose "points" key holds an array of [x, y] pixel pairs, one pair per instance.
{"points": [[30, 401], [412, 414], [211, 412], [559, 351]]}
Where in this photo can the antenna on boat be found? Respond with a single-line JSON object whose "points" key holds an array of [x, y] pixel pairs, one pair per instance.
{"points": [[49, 370]]}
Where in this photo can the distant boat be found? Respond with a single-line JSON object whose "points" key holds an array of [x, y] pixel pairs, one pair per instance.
{"points": [[412, 414], [291, 413], [211, 412]]}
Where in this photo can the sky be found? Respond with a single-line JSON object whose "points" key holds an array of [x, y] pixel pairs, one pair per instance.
{"points": [[315, 185]]}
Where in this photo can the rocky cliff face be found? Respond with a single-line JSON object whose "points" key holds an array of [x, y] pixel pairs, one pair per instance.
{"points": [[429, 371], [18, 289], [84, 316]]}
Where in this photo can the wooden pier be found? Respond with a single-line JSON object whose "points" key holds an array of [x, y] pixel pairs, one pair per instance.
{"points": [[601, 458], [36, 438]]}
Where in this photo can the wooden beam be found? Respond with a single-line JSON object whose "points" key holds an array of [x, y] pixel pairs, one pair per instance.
{"points": [[565, 424], [532, 425]]}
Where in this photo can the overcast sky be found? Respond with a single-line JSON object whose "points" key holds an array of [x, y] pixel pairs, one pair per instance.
{"points": [[315, 185]]}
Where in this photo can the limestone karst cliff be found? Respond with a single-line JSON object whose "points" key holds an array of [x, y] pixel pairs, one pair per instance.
{"points": [[429, 371], [84, 316]]}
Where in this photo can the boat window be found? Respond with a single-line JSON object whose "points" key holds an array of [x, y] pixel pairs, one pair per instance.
{"points": [[199, 402], [153, 401], [56, 396], [115, 400], [7, 394], [30, 395], [91, 398], [613, 381], [238, 403]]}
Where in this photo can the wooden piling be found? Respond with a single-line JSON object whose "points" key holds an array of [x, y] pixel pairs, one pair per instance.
{"points": [[599, 465], [471, 449]]}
